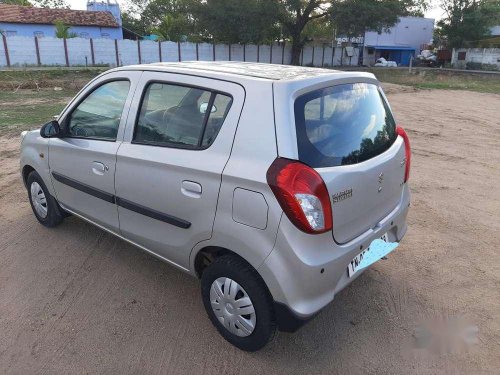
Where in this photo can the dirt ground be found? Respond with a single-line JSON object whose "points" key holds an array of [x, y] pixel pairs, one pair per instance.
{"points": [[77, 300]]}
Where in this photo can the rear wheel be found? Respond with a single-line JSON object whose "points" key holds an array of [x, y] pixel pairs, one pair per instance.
{"points": [[238, 303], [45, 207]]}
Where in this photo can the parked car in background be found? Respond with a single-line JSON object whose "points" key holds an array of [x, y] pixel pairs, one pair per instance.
{"points": [[276, 186]]}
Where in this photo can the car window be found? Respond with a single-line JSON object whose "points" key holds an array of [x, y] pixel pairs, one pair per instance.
{"points": [[343, 124], [180, 116], [98, 115], [222, 103]]}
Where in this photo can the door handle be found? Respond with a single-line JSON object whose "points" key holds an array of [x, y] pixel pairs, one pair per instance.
{"points": [[99, 168], [191, 189]]}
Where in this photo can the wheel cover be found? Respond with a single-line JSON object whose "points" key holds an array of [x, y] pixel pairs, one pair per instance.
{"points": [[233, 307], [38, 199]]}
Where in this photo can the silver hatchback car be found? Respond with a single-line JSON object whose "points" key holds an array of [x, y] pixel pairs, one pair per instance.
{"points": [[275, 185]]}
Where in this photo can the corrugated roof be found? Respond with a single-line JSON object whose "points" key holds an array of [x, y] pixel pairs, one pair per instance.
{"points": [[31, 15]]}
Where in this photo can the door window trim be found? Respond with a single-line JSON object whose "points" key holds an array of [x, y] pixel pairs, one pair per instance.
{"points": [[199, 147], [67, 116]]}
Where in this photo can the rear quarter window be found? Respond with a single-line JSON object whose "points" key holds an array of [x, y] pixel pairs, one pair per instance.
{"points": [[343, 124]]}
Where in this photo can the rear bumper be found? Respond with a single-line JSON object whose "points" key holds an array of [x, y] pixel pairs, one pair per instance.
{"points": [[304, 272]]}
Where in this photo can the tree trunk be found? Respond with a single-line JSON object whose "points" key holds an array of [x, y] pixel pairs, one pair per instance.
{"points": [[297, 45]]}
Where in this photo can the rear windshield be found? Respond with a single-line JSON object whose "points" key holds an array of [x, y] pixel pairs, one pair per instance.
{"points": [[343, 124]]}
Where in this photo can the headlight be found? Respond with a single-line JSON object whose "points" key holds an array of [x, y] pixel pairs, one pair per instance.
{"points": [[23, 134]]}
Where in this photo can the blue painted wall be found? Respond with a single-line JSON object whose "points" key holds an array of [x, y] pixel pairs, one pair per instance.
{"points": [[21, 29], [406, 56]]}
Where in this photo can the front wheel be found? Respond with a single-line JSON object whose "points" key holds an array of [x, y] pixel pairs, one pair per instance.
{"points": [[45, 207], [238, 303]]}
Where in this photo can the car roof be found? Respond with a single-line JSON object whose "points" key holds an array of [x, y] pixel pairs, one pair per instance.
{"points": [[247, 70]]}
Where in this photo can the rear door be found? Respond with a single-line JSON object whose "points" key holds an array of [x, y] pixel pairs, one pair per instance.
{"points": [[169, 167], [348, 134]]}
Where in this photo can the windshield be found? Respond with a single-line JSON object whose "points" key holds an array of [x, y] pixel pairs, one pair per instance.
{"points": [[343, 124]]}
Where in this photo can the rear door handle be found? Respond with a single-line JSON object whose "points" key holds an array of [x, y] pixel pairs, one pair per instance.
{"points": [[191, 189], [99, 168]]}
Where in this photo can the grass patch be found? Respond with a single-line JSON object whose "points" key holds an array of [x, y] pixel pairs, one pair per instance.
{"points": [[29, 109], [435, 79], [47, 78], [28, 99]]}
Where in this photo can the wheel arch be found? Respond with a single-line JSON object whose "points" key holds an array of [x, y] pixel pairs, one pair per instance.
{"points": [[27, 169], [206, 255]]}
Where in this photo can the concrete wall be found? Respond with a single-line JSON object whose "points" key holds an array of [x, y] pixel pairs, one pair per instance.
{"points": [[104, 52], [408, 32], [31, 30], [22, 52], [51, 51], [489, 56]]}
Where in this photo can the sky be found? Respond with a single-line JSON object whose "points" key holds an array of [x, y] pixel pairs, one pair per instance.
{"points": [[435, 12]]}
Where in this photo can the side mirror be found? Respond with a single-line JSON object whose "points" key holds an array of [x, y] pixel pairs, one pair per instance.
{"points": [[51, 129], [204, 107]]}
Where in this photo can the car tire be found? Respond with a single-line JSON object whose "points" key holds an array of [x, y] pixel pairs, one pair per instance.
{"points": [[46, 209], [249, 332]]}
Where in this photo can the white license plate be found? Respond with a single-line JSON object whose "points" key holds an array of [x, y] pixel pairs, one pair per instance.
{"points": [[353, 267]]}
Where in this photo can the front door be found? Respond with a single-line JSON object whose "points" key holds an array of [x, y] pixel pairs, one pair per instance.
{"points": [[169, 166], [82, 163]]}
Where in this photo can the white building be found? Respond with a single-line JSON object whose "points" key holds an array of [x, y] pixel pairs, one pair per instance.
{"points": [[400, 42]]}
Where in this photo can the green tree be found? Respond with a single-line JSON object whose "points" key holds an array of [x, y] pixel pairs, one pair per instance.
{"points": [[25, 3], [320, 29], [238, 21], [355, 17], [467, 21], [295, 15], [176, 28], [61, 4], [166, 17], [133, 24], [62, 30], [414, 8]]}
